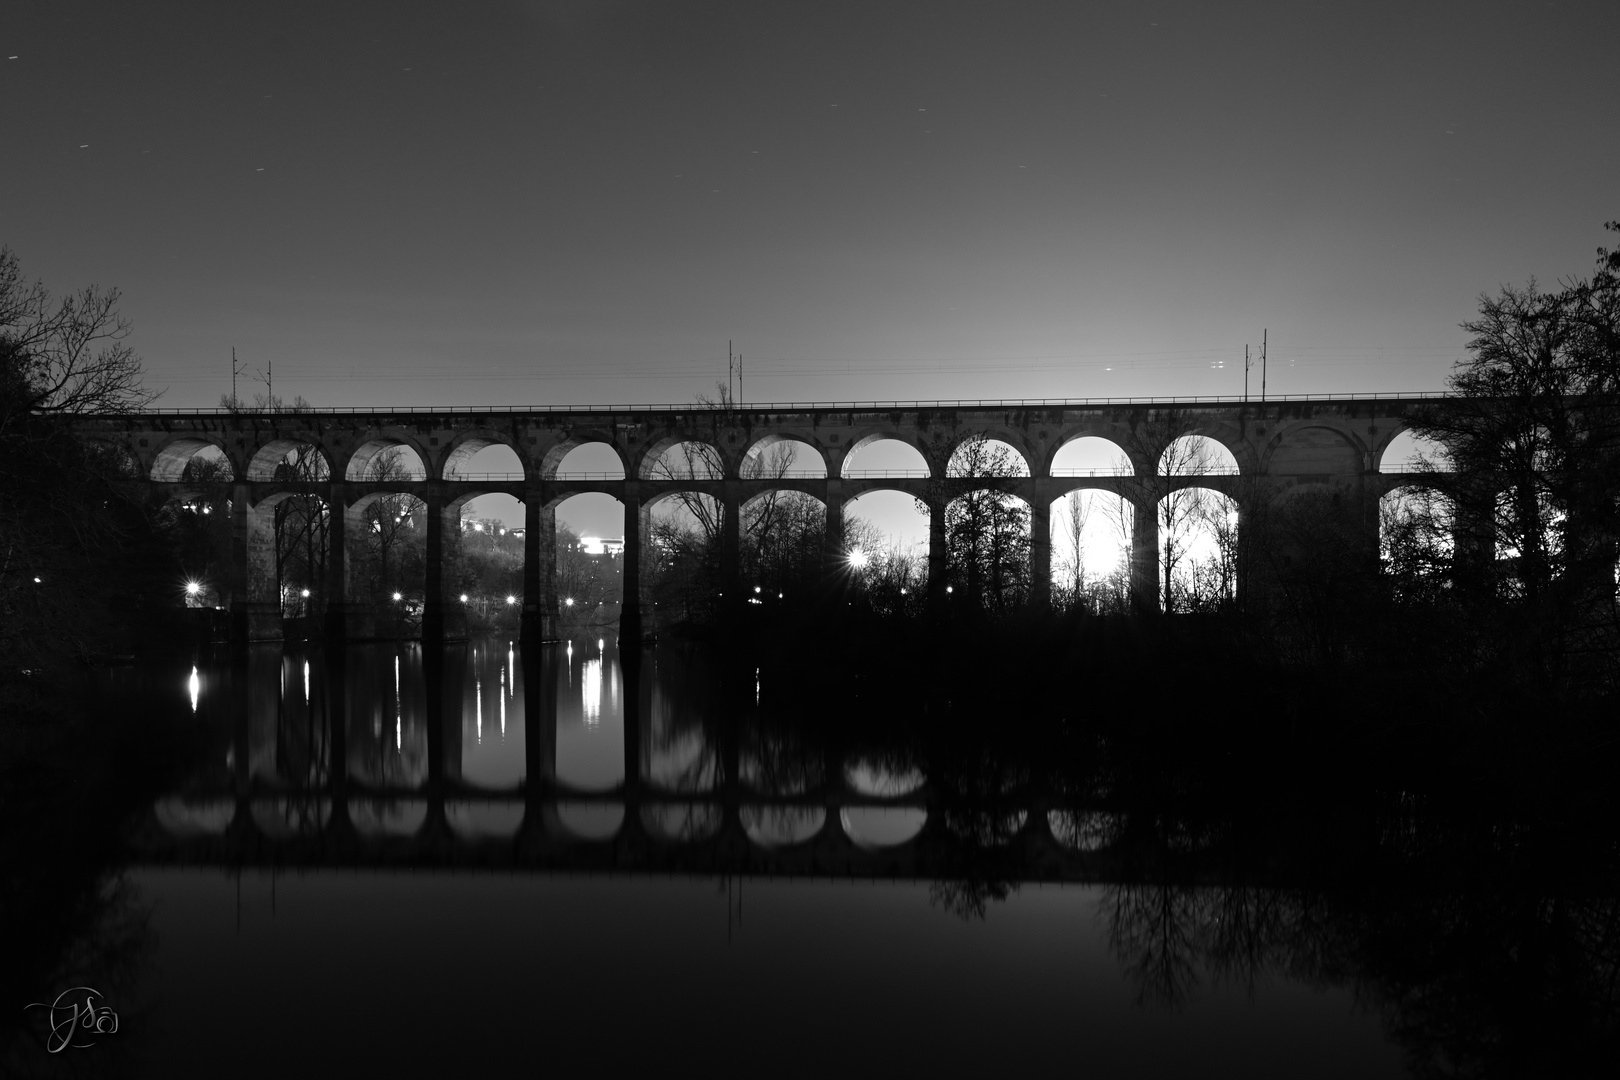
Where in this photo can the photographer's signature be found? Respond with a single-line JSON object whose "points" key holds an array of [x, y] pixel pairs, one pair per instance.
{"points": [[78, 1016]]}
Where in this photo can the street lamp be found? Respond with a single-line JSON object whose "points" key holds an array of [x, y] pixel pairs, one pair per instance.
{"points": [[398, 596], [463, 598], [569, 601], [192, 588], [511, 600]]}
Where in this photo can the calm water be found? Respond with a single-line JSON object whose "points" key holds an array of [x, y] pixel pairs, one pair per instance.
{"points": [[483, 858]]}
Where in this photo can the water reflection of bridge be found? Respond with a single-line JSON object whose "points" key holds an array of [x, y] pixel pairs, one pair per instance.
{"points": [[313, 766]]}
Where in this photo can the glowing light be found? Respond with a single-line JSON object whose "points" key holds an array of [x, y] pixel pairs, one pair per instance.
{"points": [[569, 601], [306, 680], [463, 598], [194, 684], [192, 589], [305, 593], [36, 581], [398, 596], [478, 526], [590, 692], [859, 558], [511, 599], [756, 588], [949, 589]]}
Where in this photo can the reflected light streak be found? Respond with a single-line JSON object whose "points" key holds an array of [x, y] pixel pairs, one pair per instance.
{"points": [[306, 682], [478, 706], [399, 709], [590, 688], [194, 684]]}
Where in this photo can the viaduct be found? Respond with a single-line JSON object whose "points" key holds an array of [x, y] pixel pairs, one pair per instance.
{"points": [[1322, 443]]}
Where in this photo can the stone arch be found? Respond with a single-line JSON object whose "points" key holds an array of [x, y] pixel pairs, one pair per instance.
{"points": [[759, 447], [995, 434], [1314, 449], [719, 466], [1094, 460], [873, 436], [1193, 453], [552, 457], [1398, 445], [468, 443], [170, 461], [783, 534], [263, 585], [269, 456], [362, 457], [385, 534], [1196, 564]]}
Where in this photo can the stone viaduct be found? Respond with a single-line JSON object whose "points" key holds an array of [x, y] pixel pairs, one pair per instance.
{"points": [[1281, 446]]}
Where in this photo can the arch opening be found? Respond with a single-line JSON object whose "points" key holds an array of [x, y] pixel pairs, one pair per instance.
{"points": [[680, 562], [191, 461], [884, 457], [1091, 455], [1197, 455], [886, 548], [487, 561], [987, 549], [783, 538], [1408, 451], [289, 542], [589, 571], [1416, 537], [981, 456], [684, 460], [589, 461], [1091, 551], [290, 461], [387, 555], [382, 460], [1198, 550], [777, 457], [486, 459]]}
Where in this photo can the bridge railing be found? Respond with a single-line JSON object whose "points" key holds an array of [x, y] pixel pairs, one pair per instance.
{"points": [[803, 406]]}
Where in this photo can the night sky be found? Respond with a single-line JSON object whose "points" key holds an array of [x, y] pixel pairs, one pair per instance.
{"points": [[549, 203]]}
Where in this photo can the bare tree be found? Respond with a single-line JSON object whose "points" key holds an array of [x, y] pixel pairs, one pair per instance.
{"points": [[986, 528], [65, 356]]}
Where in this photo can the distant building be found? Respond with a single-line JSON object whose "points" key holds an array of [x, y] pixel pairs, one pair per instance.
{"points": [[598, 545]]}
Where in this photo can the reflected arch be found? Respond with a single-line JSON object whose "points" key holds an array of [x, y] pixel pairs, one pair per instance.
{"points": [[877, 827]]}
